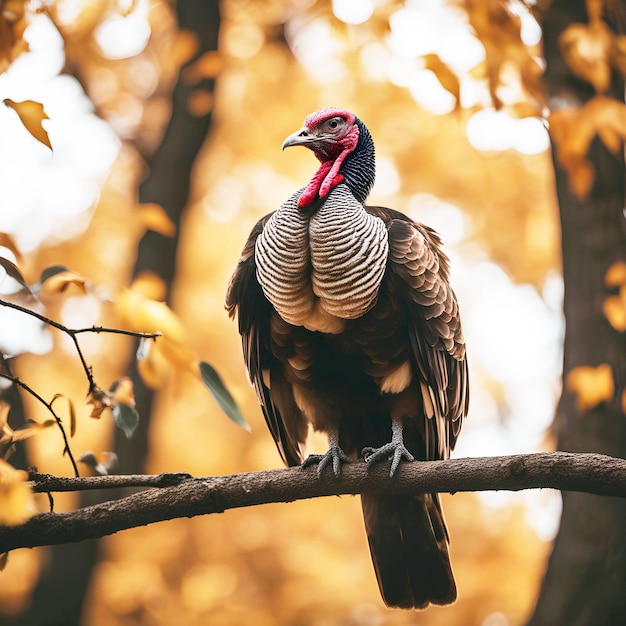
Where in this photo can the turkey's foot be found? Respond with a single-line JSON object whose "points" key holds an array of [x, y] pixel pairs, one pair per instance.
{"points": [[334, 457], [394, 450]]}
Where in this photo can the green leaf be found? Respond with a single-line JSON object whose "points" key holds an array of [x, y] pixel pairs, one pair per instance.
{"points": [[126, 418], [51, 271], [222, 396]]}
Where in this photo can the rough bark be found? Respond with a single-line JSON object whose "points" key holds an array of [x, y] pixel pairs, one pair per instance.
{"points": [[585, 581], [180, 495]]}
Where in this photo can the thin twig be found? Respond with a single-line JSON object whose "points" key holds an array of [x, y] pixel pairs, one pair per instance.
{"points": [[20, 383], [115, 331], [77, 331], [73, 334]]}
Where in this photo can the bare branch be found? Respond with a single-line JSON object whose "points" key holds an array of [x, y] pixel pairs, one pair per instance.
{"points": [[46, 483], [591, 473]]}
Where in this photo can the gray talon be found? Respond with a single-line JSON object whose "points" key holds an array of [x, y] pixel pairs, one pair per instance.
{"points": [[394, 450], [334, 455]]}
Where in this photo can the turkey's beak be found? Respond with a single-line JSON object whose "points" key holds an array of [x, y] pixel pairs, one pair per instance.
{"points": [[300, 138]]}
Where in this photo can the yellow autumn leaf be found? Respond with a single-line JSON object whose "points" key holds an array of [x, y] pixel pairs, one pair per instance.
{"points": [[16, 497], [184, 46], [614, 306], [524, 109], [591, 385], [141, 314], [614, 309], [207, 65], [587, 50], [616, 275], [479, 71], [581, 176], [60, 282], [498, 29], [164, 357], [6, 241], [31, 428], [154, 217], [571, 137], [12, 26], [572, 131], [32, 115], [70, 408], [200, 102], [178, 354], [149, 285], [611, 139], [126, 8], [5, 407], [122, 391], [448, 79], [154, 368], [608, 118], [8, 435], [13, 10]]}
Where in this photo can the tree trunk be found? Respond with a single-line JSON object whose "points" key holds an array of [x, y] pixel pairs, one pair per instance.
{"points": [[59, 596], [168, 184], [585, 581]]}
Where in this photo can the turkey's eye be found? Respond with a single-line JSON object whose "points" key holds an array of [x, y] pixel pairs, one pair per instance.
{"points": [[333, 124]]}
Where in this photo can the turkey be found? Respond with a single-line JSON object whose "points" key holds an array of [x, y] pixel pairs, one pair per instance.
{"points": [[349, 324]]}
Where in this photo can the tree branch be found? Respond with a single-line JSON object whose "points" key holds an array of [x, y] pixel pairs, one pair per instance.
{"points": [[591, 473], [46, 483]]}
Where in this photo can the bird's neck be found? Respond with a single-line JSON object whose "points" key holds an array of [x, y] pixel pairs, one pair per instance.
{"points": [[359, 167], [356, 166]]}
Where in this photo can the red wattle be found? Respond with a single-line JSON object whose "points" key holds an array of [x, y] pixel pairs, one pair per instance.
{"points": [[338, 179], [309, 195]]}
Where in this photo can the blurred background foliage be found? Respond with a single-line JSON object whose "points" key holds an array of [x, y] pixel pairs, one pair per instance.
{"points": [[452, 94]]}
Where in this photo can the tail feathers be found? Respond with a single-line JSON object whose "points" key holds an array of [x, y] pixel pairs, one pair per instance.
{"points": [[409, 546]]}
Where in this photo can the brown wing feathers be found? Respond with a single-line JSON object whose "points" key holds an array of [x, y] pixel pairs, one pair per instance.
{"points": [[419, 270], [245, 296]]}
